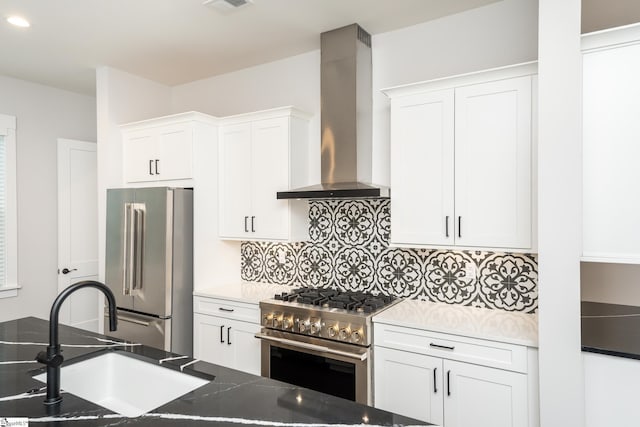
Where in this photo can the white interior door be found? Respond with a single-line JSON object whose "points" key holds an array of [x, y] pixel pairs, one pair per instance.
{"points": [[78, 231]]}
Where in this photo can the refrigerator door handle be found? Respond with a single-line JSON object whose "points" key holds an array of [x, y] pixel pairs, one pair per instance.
{"points": [[138, 227], [132, 320], [128, 249]]}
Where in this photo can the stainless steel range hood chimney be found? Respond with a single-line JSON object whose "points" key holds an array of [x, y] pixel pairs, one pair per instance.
{"points": [[346, 118]]}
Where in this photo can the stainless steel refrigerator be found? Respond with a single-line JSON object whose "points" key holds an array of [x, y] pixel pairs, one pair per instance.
{"points": [[149, 265]]}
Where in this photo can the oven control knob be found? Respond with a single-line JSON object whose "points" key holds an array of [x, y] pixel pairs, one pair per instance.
{"points": [[315, 326], [277, 320], [267, 319], [356, 336], [333, 331], [305, 325], [287, 322], [345, 333]]}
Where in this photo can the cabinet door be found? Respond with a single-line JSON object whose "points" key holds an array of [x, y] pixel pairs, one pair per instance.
{"points": [[210, 340], [245, 346], [270, 174], [483, 397], [235, 182], [140, 151], [493, 164], [409, 384], [611, 149], [422, 173], [175, 154]]}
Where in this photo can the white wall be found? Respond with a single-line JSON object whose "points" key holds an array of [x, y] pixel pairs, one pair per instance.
{"points": [[610, 283], [498, 34], [291, 81], [43, 114]]}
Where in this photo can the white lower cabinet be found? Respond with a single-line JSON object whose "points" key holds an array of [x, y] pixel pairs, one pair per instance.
{"points": [[432, 386], [409, 384], [222, 338], [611, 390]]}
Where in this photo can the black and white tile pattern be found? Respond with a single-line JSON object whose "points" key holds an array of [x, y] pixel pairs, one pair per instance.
{"points": [[349, 249]]}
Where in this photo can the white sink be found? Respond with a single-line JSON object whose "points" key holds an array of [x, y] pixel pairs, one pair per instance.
{"points": [[124, 384]]}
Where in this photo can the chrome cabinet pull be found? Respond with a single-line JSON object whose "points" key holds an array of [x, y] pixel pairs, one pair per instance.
{"points": [[252, 221], [221, 339], [444, 347], [246, 230], [157, 171], [150, 167], [228, 337]]}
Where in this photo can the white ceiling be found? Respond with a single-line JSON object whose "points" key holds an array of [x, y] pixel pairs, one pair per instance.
{"points": [[178, 41]]}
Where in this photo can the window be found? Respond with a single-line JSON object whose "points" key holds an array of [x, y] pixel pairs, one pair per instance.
{"points": [[8, 211]]}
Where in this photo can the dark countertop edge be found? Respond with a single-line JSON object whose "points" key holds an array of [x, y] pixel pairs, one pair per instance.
{"points": [[610, 352]]}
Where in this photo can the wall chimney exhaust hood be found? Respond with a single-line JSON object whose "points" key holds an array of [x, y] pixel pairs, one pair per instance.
{"points": [[346, 119]]}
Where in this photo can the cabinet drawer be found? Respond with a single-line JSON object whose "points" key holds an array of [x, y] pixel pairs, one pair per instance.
{"points": [[454, 347], [228, 309]]}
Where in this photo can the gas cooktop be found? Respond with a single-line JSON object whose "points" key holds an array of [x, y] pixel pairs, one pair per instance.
{"points": [[360, 302], [326, 313]]}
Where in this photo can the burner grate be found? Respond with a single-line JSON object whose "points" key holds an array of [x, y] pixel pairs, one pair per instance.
{"points": [[361, 302]]}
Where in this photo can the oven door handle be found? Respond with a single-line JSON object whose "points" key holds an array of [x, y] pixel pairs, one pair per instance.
{"points": [[313, 347]]}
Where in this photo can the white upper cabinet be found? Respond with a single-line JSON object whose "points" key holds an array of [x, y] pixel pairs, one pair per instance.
{"points": [[260, 154], [493, 164], [611, 146], [422, 158], [162, 149], [462, 158]]}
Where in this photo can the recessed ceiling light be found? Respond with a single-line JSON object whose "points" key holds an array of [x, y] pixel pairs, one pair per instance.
{"points": [[18, 21]]}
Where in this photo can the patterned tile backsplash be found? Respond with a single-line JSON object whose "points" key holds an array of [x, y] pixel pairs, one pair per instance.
{"points": [[349, 249]]}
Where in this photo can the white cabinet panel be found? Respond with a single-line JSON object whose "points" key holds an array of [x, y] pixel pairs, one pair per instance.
{"points": [[175, 153], [261, 154], [409, 384], [161, 149], [270, 172], [493, 164], [484, 397], [246, 347], [461, 161], [612, 387], [422, 201], [223, 333], [611, 151], [453, 380], [209, 342], [235, 184], [140, 149]]}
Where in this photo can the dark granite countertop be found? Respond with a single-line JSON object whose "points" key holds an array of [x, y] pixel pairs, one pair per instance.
{"points": [[231, 398], [611, 329]]}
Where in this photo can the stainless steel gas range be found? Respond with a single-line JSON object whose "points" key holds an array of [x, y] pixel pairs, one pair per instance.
{"points": [[321, 339]]}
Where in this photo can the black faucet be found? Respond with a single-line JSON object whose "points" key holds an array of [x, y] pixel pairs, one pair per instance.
{"points": [[53, 356]]}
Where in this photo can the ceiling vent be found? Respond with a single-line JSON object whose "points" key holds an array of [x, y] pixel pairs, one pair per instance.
{"points": [[227, 5]]}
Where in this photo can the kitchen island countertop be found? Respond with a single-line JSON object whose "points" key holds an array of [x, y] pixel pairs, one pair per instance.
{"points": [[231, 398]]}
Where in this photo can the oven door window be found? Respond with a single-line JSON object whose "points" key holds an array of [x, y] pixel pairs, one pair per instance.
{"points": [[318, 373]]}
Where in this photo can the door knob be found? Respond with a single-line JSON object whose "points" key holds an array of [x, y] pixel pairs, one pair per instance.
{"points": [[67, 271]]}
